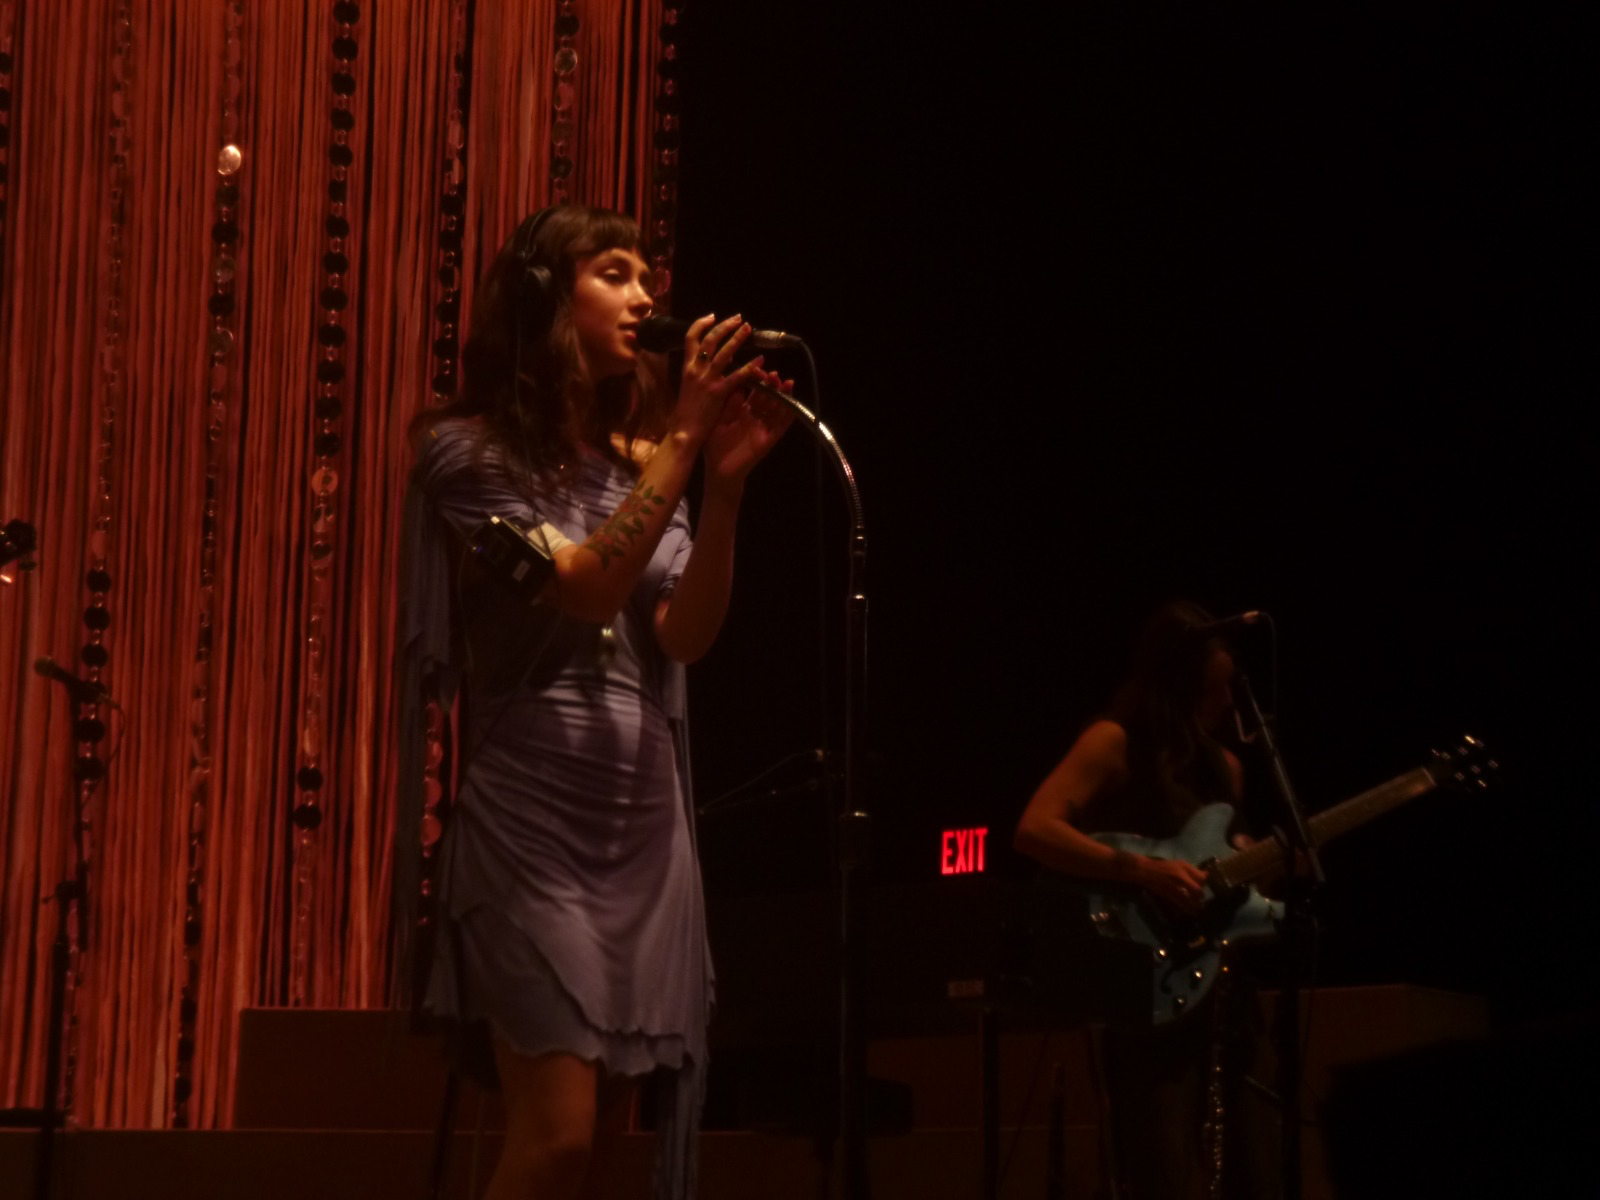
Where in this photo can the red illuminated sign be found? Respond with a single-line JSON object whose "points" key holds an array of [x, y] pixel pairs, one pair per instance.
{"points": [[962, 851]]}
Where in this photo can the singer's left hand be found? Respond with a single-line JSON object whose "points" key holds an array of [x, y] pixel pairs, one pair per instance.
{"points": [[750, 426], [1273, 889]]}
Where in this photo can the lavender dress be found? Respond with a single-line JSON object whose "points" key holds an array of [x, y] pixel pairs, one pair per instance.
{"points": [[571, 916]]}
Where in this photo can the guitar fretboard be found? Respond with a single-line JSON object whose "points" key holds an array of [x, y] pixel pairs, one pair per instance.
{"points": [[1265, 859]]}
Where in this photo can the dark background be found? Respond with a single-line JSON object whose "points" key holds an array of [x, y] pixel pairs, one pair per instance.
{"points": [[1267, 309]]}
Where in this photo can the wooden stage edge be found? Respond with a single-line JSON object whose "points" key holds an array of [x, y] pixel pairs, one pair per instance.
{"points": [[1406, 1086], [393, 1165]]}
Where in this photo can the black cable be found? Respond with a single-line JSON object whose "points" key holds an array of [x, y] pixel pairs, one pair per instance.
{"points": [[1272, 637], [727, 798], [818, 460], [557, 617], [477, 1144], [1315, 932], [1105, 1112], [1022, 1117]]}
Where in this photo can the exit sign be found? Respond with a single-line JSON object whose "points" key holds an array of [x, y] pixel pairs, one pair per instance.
{"points": [[961, 851]]}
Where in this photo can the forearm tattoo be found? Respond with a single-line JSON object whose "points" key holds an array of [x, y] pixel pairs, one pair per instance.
{"points": [[625, 525]]}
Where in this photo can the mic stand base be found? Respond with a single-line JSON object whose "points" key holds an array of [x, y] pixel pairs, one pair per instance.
{"points": [[47, 1117]]}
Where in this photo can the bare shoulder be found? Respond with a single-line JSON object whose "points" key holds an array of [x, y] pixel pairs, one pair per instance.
{"points": [[1235, 771], [1097, 762], [1105, 738], [1102, 748]]}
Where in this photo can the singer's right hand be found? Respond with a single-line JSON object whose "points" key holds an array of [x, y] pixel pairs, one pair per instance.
{"points": [[708, 350]]}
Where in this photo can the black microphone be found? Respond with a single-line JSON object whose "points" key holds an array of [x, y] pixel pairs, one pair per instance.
{"points": [[665, 334], [1227, 625], [81, 691]]}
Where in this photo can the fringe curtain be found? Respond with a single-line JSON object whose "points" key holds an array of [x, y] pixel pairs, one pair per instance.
{"points": [[114, 121]]}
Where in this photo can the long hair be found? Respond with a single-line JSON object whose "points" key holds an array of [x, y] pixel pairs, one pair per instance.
{"points": [[1158, 702], [521, 370]]}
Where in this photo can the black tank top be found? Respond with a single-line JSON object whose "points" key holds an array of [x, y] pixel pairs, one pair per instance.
{"points": [[1155, 804]]}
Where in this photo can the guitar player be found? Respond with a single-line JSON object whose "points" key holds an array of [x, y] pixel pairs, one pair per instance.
{"points": [[1145, 768]]}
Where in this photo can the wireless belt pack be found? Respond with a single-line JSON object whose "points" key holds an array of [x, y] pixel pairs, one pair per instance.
{"points": [[512, 558]]}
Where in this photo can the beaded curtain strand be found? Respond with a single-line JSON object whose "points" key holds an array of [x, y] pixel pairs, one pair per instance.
{"points": [[88, 729], [56, 170], [445, 385], [158, 346], [8, 28], [140, 846], [662, 154], [221, 343], [396, 369], [563, 115], [327, 467], [512, 101]]}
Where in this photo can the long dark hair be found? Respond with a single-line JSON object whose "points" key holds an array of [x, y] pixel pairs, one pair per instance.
{"points": [[1158, 702], [521, 372]]}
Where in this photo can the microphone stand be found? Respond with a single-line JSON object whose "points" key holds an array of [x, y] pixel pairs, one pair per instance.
{"points": [[1298, 896], [18, 541], [855, 825], [69, 895]]}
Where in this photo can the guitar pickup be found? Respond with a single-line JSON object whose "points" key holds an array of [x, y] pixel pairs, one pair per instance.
{"points": [[1217, 878]]}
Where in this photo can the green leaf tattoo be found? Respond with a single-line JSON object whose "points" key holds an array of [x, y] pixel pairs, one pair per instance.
{"points": [[625, 525]]}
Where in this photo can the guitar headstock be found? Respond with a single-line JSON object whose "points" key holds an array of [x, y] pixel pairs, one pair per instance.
{"points": [[1467, 764]]}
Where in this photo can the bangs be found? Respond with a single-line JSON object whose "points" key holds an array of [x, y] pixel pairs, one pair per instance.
{"points": [[604, 230]]}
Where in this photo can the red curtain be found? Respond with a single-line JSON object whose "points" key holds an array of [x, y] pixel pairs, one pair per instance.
{"points": [[215, 476]]}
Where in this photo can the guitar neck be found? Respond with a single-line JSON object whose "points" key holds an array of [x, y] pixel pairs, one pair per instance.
{"points": [[1264, 860]]}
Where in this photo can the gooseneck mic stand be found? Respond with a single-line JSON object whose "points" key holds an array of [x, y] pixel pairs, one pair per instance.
{"points": [[855, 825], [1300, 890]]}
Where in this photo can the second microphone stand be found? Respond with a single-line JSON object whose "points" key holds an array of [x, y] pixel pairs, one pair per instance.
{"points": [[855, 825], [1301, 884], [71, 898]]}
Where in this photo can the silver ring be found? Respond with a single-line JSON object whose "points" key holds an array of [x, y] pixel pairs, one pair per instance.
{"points": [[704, 356]]}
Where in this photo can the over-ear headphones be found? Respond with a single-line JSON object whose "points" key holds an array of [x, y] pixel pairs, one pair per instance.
{"points": [[536, 288]]}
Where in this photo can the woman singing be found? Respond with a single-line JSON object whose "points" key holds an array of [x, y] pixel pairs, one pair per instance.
{"points": [[570, 923]]}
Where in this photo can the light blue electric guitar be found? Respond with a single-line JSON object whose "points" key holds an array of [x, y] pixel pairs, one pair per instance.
{"points": [[1188, 951]]}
